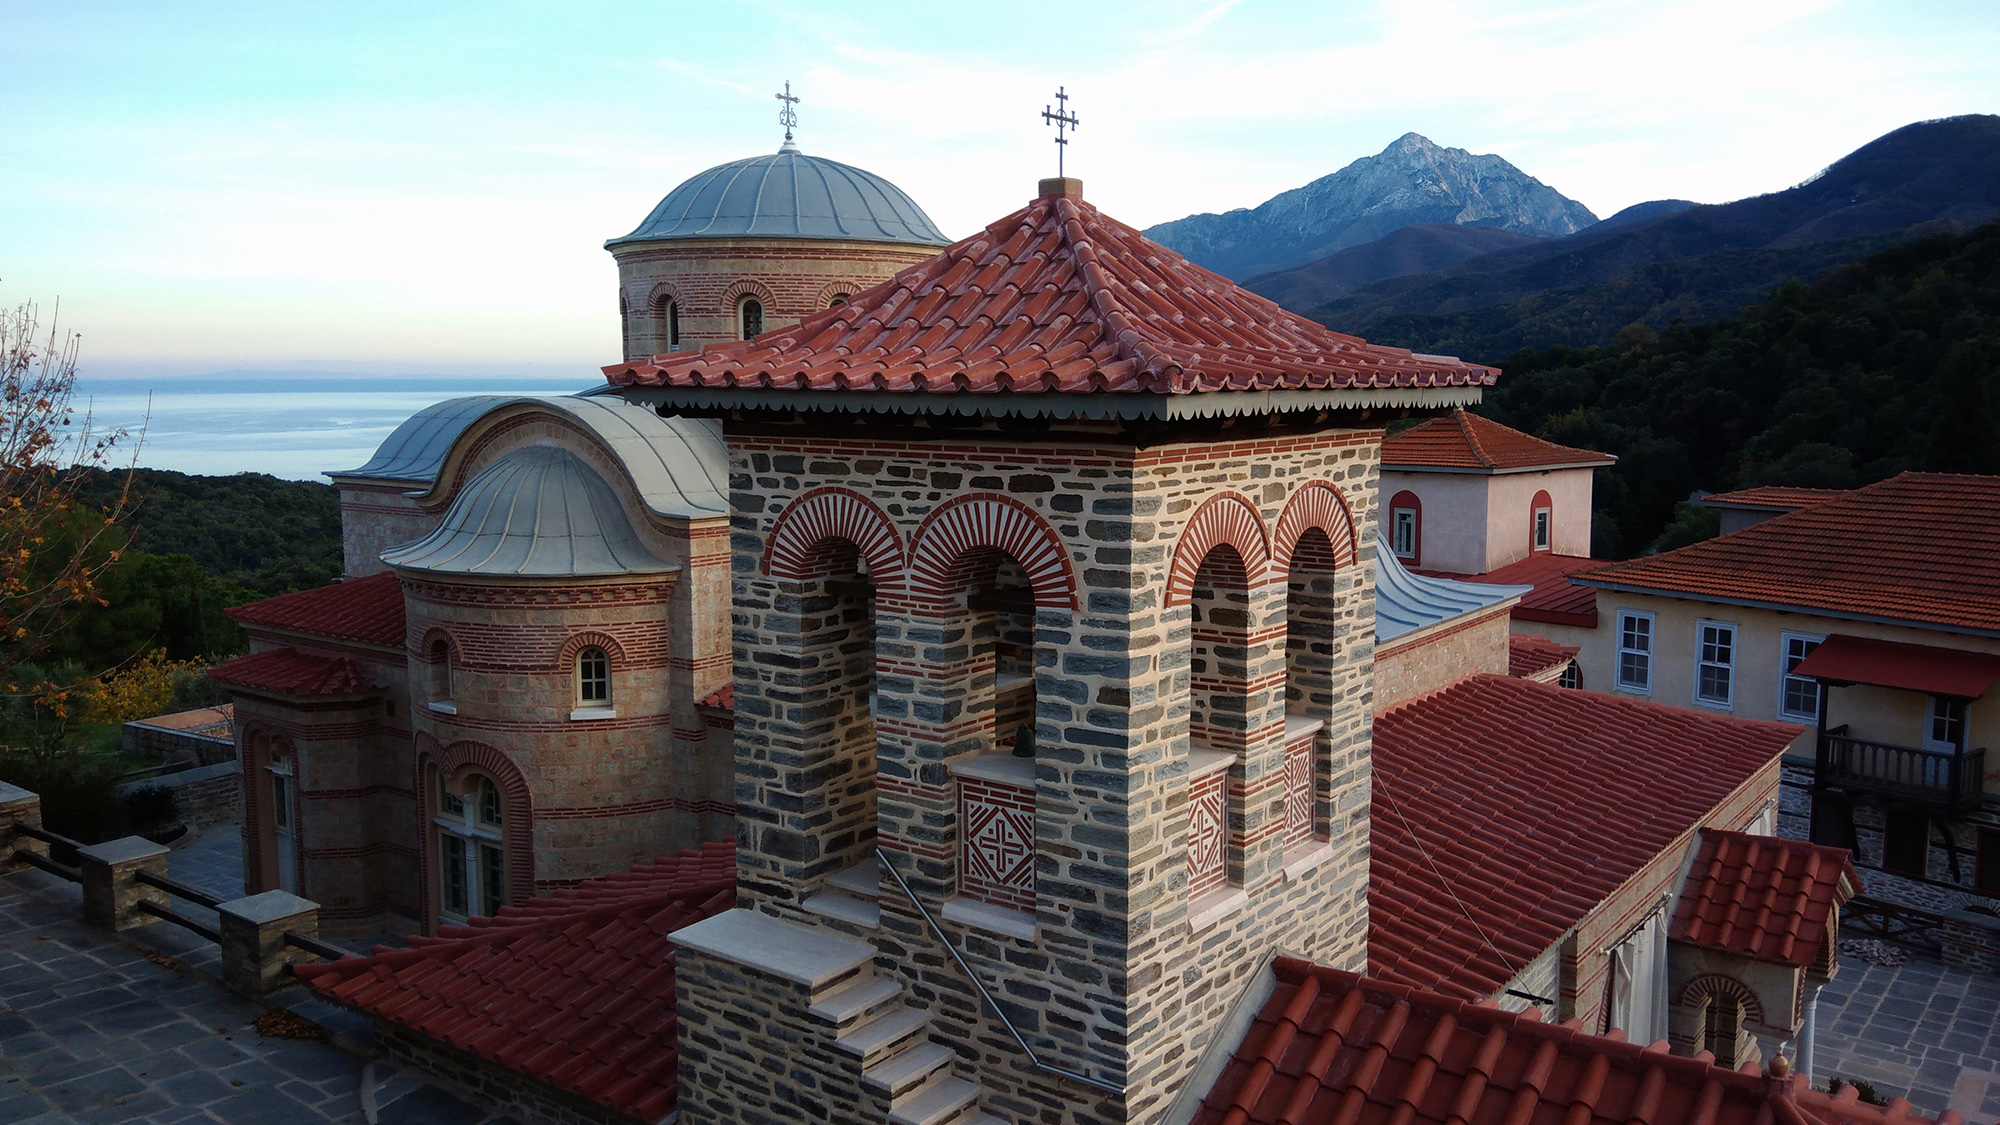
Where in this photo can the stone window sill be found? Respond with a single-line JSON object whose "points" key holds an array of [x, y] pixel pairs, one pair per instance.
{"points": [[990, 918], [443, 706], [585, 714], [1307, 856], [1216, 905], [1204, 762]]}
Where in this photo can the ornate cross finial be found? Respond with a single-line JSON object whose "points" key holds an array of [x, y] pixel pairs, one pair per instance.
{"points": [[1060, 118], [788, 117]]}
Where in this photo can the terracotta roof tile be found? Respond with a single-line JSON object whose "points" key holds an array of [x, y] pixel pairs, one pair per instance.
{"points": [[1555, 600], [1773, 498], [1056, 297], [360, 609], [1461, 440], [723, 697], [1764, 897], [575, 990], [1330, 1046], [287, 671], [1528, 804], [1530, 653], [1918, 548]]}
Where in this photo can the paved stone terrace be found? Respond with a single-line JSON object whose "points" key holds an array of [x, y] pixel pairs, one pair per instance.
{"points": [[1922, 1030], [97, 1027]]}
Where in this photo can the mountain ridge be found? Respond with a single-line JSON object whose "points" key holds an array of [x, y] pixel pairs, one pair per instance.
{"points": [[1413, 180]]}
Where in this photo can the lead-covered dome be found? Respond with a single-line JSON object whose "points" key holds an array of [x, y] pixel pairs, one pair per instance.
{"points": [[788, 195]]}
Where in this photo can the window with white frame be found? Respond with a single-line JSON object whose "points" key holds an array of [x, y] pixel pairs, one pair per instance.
{"points": [[1714, 663], [1541, 529], [1403, 536], [593, 678], [472, 870], [1798, 696], [1635, 650], [1944, 724]]}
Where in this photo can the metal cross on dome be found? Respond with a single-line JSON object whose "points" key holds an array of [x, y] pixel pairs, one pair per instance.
{"points": [[788, 117], [1060, 118]]}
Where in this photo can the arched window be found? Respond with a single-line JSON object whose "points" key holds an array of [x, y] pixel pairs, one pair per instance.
{"points": [[1541, 523], [669, 329], [837, 300], [750, 316], [1406, 527], [441, 677], [472, 868], [593, 678]]}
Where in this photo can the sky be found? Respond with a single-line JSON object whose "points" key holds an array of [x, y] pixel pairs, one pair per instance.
{"points": [[403, 188]]}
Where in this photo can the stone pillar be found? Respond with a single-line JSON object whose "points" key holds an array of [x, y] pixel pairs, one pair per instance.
{"points": [[1806, 1033], [111, 889], [18, 806], [254, 953]]}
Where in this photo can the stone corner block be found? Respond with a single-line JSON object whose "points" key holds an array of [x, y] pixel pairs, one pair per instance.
{"points": [[255, 958], [111, 889], [18, 807]]}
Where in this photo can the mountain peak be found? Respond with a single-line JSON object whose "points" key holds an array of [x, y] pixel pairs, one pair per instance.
{"points": [[1413, 180]]}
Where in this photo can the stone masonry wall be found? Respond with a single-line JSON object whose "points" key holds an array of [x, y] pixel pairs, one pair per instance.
{"points": [[1410, 667], [1115, 983]]}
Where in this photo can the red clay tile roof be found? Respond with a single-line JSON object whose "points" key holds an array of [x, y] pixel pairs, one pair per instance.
{"points": [[576, 990], [723, 697], [1918, 548], [1054, 297], [1533, 803], [1460, 440], [1764, 897], [1773, 498], [1894, 664], [1555, 600], [1529, 653], [287, 671], [360, 609], [1331, 1047]]}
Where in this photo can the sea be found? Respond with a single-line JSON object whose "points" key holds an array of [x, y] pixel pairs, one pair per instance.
{"points": [[298, 429]]}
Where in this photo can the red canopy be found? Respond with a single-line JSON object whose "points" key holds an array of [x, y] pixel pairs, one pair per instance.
{"points": [[1925, 668]]}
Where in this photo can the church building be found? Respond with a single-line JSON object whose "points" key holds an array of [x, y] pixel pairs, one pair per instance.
{"points": [[942, 682]]}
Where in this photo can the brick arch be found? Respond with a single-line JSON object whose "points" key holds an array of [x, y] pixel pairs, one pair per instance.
{"points": [[795, 549], [431, 637], [455, 763], [828, 291], [984, 520], [747, 287], [658, 296], [1316, 505], [566, 658], [1707, 986], [1224, 519]]}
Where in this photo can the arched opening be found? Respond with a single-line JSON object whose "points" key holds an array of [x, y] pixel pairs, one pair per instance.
{"points": [[1221, 719], [667, 325], [439, 673], [1315, 640], [837, 300], [1722, 1029], [1406, 527], [469, 821], [281, 808], [749, 317], [1541, 524], [593, 678]]}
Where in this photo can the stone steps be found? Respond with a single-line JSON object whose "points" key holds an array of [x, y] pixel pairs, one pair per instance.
{"points": [[904, 1071], [884, 1036], [866, 914], [937, 1102], [863, 880], [851, 1007]]}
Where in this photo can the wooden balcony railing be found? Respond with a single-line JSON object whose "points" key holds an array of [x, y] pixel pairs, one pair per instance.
{"points": [[1933, 777]]}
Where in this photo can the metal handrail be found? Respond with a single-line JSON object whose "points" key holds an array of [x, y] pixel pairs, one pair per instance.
{"points": [[1033, 1058], [46, 836], [60, 870], [315, 946], [177, 918], [178, 889]]}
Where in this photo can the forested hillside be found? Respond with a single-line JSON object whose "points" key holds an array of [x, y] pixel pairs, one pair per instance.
{"points": [[272, 536], [1882, 365]]}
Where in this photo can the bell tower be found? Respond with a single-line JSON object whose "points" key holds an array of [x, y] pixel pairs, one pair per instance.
{"points": [[1053, 670]]}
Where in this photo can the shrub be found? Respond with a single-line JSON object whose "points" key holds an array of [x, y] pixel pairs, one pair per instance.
{"points": [[147, 806], [1863, 1091], [151, 685], [79, 789]]}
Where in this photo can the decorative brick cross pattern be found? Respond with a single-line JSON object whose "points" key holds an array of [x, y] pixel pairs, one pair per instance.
{"points": [[999, 823], [1208, 829], [1299, 792]]}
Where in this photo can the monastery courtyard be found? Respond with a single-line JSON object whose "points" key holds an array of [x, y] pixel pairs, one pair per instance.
{"points": [[137, 1028], [99, 1027]]}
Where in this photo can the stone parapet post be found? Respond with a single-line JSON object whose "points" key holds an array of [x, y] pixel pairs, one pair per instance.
{"points": [[111, 888], [18, 807], [254, 953]]}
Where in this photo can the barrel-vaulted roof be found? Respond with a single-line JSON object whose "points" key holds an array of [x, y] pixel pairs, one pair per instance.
{"points": [[679, 465], [1406, 602], [535, 512], [1057, 301], [787, 195]]}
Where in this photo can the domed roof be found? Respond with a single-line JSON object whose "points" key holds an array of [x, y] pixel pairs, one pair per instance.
{"points": [[788, 195], [535, 512]]}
